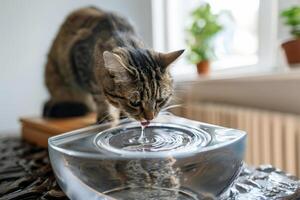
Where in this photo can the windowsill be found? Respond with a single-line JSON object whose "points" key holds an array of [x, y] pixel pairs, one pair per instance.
{"points": [[242, 75], [274, 90]]}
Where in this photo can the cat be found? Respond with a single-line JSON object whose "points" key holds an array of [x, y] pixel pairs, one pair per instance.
{"points": [[98, 63]]}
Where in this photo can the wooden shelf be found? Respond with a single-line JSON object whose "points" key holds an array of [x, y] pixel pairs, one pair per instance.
{"points": [[37, 130]]}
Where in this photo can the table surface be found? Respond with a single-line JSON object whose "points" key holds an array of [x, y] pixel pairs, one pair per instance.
{"points": [[25, 173]]}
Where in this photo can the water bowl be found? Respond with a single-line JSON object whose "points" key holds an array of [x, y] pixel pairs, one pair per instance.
{"points": [[177, 159]]}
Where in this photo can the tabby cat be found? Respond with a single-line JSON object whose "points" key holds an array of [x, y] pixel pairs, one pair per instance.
{"points": [[97, 63]]}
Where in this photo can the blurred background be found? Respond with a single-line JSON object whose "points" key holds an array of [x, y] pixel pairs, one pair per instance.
{"points": [[241, 67]]}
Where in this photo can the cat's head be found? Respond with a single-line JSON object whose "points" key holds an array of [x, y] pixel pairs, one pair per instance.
{"points": [[138, 81]]}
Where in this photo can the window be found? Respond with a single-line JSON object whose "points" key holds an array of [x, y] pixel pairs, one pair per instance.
{"points": [[247, 41], [237, 44]]}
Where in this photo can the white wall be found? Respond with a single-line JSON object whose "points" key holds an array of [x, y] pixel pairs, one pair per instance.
{"points": [[26, 32]]}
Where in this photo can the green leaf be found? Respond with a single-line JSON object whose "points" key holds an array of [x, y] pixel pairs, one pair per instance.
{"points": [[291, 17], [202, 30]]}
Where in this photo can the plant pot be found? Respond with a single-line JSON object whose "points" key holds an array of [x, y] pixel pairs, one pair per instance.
{"points": [[203, 67], [292, 51]]}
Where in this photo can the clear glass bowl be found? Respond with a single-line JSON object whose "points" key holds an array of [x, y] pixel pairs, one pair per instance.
{"points": [[179, 159]]}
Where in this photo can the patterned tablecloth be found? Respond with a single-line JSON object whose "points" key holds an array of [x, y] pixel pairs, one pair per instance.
{"points": [[25, 173]]}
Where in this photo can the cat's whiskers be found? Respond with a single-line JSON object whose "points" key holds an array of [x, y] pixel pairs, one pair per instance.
{"points": [[171, 106]]}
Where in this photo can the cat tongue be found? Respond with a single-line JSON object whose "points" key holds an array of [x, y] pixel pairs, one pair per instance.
{"points": [[145, 123]]}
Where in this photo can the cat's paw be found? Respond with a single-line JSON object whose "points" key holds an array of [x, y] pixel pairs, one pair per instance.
{"points": [[64, 109], [123, 115], [103, 118]]}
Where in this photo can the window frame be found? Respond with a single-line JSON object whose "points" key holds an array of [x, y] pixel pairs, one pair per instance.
{"points": [[268, 47]]}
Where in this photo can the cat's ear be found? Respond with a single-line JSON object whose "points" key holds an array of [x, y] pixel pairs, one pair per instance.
{"points": [[167, 58], [112, 62], [115, 66]]}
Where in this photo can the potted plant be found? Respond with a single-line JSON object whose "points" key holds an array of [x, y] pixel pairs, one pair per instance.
{"points": [[291, 18], [203, 28]]}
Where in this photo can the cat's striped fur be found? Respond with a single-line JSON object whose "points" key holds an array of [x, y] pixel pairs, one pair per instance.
{"points": [[97, 61]]}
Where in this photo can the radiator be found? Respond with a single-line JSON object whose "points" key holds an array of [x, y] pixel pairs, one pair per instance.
{"points": [[273, 137]]}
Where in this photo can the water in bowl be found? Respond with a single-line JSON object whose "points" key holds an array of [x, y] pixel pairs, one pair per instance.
{"points": [[137, 141]]}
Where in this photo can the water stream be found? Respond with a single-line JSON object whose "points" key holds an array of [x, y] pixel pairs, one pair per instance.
{"points": [[142, 138]]}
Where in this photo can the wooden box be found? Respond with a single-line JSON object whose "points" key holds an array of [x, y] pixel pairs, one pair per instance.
{"points": [[37, 130]]}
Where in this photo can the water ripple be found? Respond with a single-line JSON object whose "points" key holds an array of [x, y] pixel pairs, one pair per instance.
{"points": [[157, 139]]}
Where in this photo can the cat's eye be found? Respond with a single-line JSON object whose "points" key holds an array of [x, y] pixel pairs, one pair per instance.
{"points": [[135, 103]]}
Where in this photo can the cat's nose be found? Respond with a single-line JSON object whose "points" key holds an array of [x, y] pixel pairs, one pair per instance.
{"points": [[149, 115]]}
